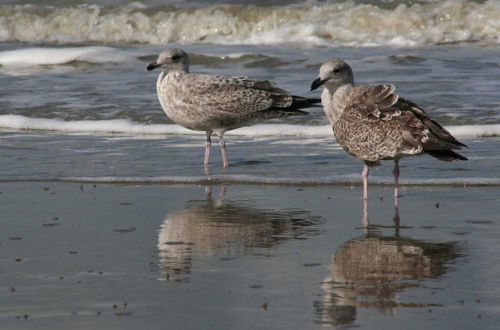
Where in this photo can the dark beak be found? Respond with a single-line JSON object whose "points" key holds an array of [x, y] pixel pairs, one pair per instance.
{"points": [[318, 82], [152, 66]]}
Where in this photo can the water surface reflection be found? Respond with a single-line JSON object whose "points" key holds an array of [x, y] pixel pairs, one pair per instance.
{"points": [[217, 227], [371, 272]]}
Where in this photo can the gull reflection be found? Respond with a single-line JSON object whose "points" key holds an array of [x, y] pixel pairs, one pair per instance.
{"points": [[371, 271], [215, 227]]}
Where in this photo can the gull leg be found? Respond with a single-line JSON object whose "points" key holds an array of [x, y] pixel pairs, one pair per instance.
{"points": [[364, 174], [396, 182], [223, 150], [208, 144]]}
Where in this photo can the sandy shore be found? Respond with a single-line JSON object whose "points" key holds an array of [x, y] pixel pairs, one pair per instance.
{"points": [[86, 256]]}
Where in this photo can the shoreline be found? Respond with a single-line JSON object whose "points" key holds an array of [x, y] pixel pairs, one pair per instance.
{"points": [[221, 180]]}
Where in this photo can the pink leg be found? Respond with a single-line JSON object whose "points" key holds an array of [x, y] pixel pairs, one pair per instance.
{"points": [[364, 174], [396, 181], [223, 151], [208, 144]]}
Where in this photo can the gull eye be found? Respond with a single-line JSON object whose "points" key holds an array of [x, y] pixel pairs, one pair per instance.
{"points": [[336, 71], [175, 57]]}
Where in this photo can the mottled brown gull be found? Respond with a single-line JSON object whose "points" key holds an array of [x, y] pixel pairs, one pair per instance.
{"points": [[373, 123], [216, 103]]}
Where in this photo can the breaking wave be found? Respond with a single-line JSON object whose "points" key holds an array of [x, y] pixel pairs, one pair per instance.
{"points": [[309, 24]]}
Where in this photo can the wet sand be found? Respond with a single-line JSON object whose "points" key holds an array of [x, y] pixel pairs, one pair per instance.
{"points": [[100, 256]]}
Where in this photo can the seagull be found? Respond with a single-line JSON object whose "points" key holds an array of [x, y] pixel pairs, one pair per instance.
{"points": [[372, 123], [216, 104]]}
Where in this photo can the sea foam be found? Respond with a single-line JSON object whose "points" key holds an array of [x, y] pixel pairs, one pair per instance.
{"points": [[126, 126], [305, 25], [55, 56]]}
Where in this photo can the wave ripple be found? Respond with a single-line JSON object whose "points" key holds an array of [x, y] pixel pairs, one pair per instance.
{"points": [[310, 24]]}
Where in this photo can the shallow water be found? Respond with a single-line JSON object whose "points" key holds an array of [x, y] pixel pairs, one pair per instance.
{"points": [[174, 159]]}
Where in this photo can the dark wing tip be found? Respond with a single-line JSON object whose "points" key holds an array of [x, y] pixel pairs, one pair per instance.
{"points": [[300, 102], [446, 155]]}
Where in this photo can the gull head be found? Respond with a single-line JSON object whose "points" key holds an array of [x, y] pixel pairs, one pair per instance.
{"points": [[334, 73], [171, 60]]}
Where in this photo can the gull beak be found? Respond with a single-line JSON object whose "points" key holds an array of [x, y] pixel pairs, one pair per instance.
{"points": [[318, 82], [152, 66]]}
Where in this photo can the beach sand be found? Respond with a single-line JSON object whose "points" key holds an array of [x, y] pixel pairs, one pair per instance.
{"points": [[104, 256]]}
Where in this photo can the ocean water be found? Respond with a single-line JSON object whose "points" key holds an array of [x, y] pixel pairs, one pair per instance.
{"points": [[56, 95], [73, 72]]}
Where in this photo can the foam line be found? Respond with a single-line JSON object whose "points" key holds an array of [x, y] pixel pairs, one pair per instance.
{"points": [[126, 126]]}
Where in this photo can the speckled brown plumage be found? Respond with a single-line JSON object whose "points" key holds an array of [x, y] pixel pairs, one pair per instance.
{"points": [[377, 125]]}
